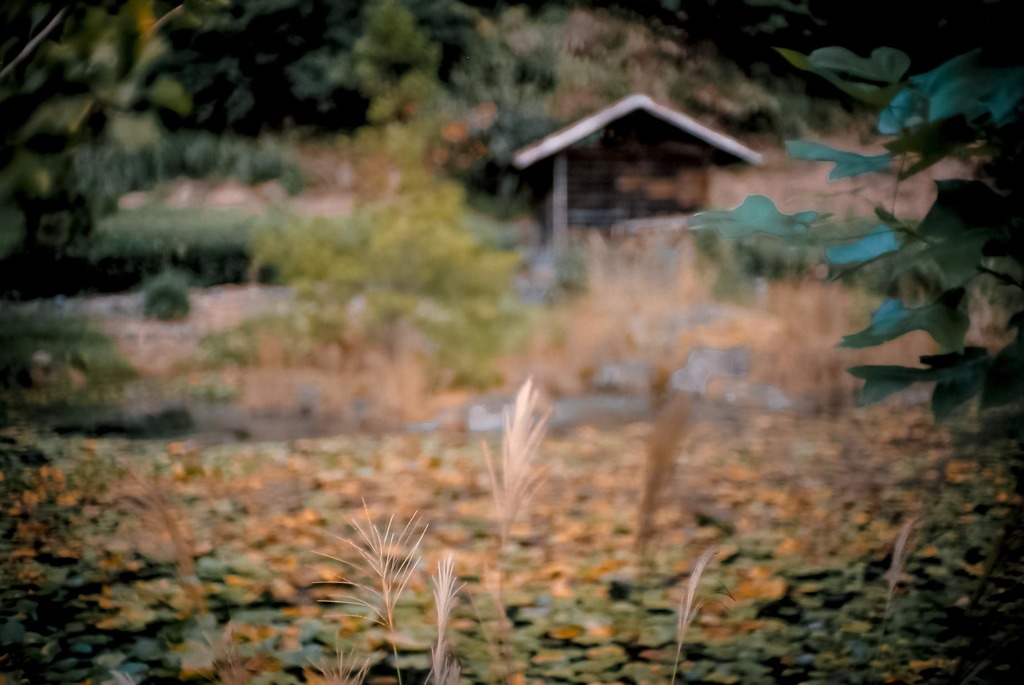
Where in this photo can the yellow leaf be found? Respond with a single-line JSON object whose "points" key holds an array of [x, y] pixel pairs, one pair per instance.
{"points": [[566, 632]]}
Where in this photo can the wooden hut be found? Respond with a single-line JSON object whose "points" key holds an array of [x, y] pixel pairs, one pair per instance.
{"points": [[634, 159]]}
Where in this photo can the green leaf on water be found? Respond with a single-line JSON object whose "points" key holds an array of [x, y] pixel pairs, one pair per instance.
{"points": [[12, 632], [847, 164]]}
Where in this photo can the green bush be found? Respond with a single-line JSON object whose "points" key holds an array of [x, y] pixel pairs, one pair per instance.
{"points": [[64, 341], [167, 296], [403, 261], [108, 169], [211, 246]]}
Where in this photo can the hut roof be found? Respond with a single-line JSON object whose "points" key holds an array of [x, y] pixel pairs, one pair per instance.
{"points": [[559, 140]]}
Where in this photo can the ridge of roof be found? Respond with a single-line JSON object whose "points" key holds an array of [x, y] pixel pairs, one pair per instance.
{"points": [[573, 133]]}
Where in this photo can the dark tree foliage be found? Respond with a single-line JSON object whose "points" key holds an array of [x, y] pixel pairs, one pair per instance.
{"points": [[257, 64]]}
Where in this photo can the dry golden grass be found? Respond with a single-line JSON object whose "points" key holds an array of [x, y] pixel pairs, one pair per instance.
{"points": [[633, 289], [659, 469], [387, 557], [445, 669], [689, 605]]}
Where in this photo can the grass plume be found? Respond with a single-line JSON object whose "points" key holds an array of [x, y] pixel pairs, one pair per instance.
{"points": [[388, 557], [445, 668], [344, 671], [512, 487], [900, 551], [689, 605], [517, 479]]}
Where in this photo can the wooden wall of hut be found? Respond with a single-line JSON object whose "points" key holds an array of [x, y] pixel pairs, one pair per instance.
{"points": [[611, 184]]}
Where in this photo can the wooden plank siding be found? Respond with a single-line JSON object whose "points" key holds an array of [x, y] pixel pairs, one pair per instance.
{"points": [[608, 185]]}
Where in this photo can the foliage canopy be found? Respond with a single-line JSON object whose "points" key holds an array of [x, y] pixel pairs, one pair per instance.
{"points": [[969, 106]]}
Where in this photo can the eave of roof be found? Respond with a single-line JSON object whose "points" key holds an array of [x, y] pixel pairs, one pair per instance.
{"points": [[559, 140]]}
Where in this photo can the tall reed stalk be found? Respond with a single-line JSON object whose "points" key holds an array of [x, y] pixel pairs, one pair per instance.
{"points": [[513, 483]]}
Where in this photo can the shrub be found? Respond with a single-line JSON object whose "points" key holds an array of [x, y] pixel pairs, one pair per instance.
{"points": [[108, 169], [40, 348], [405, 260], [212, 246], [167, 296]]}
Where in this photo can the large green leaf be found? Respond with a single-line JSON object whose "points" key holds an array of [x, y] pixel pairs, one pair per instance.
{"points": [[963, 206], [879, 241], [885, 65], [834, 63], [847, 164], [928, 143], [756, 214], [1005, 381], [958, 377], [966, 85], [966, 216], [943, 320], [908, 109]]}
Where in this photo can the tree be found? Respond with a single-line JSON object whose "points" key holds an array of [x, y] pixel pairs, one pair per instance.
{"points": [[971, 105], [70, 72]]}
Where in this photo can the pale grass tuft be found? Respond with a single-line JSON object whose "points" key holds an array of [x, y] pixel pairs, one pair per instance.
{"points": [[445, 668], [389, 557], [689, 605], [517, 480], [900, 552], [229, 669], [344, 672], [122, 678]]}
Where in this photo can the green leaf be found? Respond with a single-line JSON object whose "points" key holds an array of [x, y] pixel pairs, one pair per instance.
{"points": [[824, 63], [169, 94], [847, 164], [885, 65], [62, 116], [1005, 380], [931, 143], [962, 206], [882, 381], [908, 109], [943, 320], [958, 377], [967, 86], [756, 214], [12, 632], [881, 240]]}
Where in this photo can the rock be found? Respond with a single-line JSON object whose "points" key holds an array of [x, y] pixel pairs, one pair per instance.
{"points": [[630, 376], [703, 364], [231, 194], [133, 200], [486, 416], [184, 194], [272, 191], [756, 396]]}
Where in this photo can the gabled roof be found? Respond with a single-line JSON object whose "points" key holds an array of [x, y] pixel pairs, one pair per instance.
{"points": [[559, 140]]}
